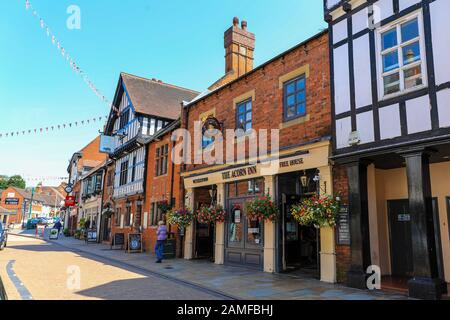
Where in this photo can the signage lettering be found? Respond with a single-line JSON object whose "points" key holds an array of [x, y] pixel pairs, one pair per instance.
{"points": [[239, 173], [201, 180], [291, 163]]}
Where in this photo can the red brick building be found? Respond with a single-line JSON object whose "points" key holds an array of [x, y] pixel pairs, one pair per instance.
{"points": [[162, 185], [289, 96]]}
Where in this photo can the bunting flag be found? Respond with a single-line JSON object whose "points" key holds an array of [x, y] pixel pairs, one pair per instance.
{"points": [[75, 67], [42, 178], [51, 128]]}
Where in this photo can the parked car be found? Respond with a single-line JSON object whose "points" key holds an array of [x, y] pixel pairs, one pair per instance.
{"points": [[3, 236], [32, 223]]}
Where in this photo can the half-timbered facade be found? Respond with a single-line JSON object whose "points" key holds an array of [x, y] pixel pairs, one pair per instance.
{"points": [[142, 108], [391, 127]]}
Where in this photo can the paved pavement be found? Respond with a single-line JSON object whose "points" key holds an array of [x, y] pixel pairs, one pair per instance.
{"points": [[111, 274]]}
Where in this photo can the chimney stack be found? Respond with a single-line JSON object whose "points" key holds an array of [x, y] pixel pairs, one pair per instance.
{"points": [[239, 49]]}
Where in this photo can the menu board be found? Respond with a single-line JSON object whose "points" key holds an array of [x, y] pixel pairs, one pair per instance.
{"points": [[343, 234], [118, 240], [91, 235], [134, 242]]}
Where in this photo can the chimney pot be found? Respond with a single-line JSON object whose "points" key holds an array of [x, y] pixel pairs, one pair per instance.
{"points": [[235, 21], [244, 25]]}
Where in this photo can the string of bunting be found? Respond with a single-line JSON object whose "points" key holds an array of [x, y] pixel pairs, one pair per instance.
{"points": [[68, 57], [44, 178], [52, 128]]}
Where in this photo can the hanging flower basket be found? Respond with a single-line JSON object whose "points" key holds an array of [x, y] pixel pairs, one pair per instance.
{"points": [[317, 211], [211, 214], [262, 208], [181, 218], [164, 206], [108, 212]]}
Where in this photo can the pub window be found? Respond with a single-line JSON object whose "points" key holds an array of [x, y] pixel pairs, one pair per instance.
{"points": [[244, 115], [123, 173], [402, 57], [127, 219], [162, 159], [294, 98], [117, 217], [133, 172], [156, 214]]}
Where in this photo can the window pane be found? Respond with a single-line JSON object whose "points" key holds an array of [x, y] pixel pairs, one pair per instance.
{"points": [[249, 116], [391, 83], [301, 109], [248, 126], [300, 96], [254, 232], [291, 112], [241, 108], [390, 61], [241, 120], [290, 88], [410, 30], [389, 39], [235, 230], [413, 77], [291, 100], [301, 84], [249, 106], [411, 53]]}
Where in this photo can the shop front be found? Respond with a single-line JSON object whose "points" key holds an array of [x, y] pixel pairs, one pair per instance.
{"points": [[278, 246]]}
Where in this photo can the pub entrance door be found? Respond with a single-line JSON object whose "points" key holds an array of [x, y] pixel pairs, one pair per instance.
{"points": [[244, 237], [204, 241], [299, 245]]}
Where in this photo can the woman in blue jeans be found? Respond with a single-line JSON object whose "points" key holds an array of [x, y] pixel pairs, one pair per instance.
{"points": [[161, 239]]}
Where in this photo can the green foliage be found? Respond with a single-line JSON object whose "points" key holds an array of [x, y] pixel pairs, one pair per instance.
{"points": [[14, 181], [3, 182], [320, 211], [181, 218], [82, 223], [262, 208]]}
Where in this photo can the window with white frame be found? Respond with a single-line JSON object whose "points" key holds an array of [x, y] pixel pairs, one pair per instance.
{"points": [[402, 57]]}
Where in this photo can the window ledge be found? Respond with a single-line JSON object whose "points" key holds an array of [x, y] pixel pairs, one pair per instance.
{"points": [[295, 121], [402, 93]]}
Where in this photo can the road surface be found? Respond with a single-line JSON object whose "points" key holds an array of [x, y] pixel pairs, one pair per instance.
{"points": [[39, 270]]}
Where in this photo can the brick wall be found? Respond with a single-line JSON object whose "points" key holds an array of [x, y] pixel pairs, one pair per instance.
{"points": [[158, 188], [343, 253], [268, 97]]}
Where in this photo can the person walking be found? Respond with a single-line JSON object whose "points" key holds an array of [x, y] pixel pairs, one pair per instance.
{"points": [[58, 226], [161, 239]]}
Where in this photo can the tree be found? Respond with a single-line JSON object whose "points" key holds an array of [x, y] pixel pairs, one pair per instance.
{"points": [[3, 182], [16, 181]]}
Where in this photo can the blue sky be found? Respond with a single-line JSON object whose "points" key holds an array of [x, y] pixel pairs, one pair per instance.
{"points": [[177, 41]]}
